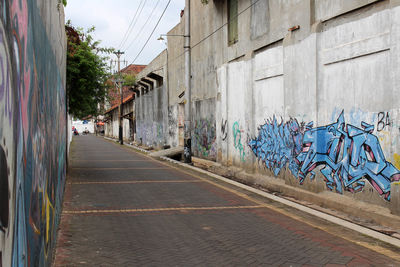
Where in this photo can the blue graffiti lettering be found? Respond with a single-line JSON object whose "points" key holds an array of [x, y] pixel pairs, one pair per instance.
{"points": [[347, 154]]}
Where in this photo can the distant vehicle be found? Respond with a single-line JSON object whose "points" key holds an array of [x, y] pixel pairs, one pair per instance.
{"points": [[86, 131], [75, 131]]}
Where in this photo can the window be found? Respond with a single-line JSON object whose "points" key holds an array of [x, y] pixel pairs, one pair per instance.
{"points": [[232, 21]]}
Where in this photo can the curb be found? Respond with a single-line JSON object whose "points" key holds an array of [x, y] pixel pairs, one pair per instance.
{"points": [[138, 148], [350, 225], [129, 145], [355, 227]]}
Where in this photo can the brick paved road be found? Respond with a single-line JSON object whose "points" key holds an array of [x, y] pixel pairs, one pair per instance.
{"points": [[122, 208]]}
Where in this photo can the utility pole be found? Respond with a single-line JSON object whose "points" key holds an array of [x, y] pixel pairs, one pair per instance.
{"points": [[119, 84], [187, 152]]}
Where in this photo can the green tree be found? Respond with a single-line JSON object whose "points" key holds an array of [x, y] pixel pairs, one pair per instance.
{"points": [[87, 72], [63, 2], [128, 79]]}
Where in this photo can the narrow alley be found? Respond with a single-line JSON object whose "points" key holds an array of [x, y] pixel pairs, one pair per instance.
{"points": [[123, 208]]}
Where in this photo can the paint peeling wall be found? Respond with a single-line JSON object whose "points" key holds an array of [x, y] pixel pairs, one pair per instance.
{"points": [[33, 133]]}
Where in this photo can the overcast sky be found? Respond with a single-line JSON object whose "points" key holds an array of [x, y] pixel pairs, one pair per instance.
{"points": [[112, 18]]}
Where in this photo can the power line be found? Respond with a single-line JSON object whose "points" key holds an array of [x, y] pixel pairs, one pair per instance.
{"points": [[208, 36], [143, 26], [137, 18], [169, 1], [219, 28], [132, 23]]}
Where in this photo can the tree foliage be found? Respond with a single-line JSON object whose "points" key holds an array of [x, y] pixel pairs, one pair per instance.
{"points": [[63, 2], [87, 72], [128, 79]]}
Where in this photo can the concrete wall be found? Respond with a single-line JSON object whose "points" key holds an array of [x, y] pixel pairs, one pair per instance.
{"points": [[316, 107], [128, 127], [307, 95], [151, 118], [69, 132], [152, 104], [111, 127], [33, 129], [175, 85]]}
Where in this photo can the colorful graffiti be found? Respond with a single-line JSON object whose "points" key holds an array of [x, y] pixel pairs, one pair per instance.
{"points": [[237, 140], [348, 154], [204, 135], [32, 132], [396, 159], [224, 130], [278, 144], [150, 133]]}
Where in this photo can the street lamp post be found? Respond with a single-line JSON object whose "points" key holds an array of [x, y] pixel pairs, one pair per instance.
{"points": [[187, 149], [119, 84]]}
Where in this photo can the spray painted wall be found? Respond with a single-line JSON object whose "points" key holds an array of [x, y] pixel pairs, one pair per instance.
{"points": [[152, 118], [316, 106], [32, 129], [204, 131], [319, 111]]}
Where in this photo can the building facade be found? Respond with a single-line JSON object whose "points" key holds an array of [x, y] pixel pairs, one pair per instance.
{"points": [[112, 115], [302, 92]]}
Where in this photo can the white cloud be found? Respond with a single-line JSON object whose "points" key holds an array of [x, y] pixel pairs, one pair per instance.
{"points": [[112, 17]]}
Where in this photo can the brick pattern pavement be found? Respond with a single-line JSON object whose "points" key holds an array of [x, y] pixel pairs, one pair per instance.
{"points": [[141, 213]]}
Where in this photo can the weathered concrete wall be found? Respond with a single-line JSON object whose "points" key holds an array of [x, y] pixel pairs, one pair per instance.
{"points": [[316, 106], [128, 127], [33, 129], [151, 118], [204, 131], [152, 112], [319, 108], [111, 127], [176, 64]]}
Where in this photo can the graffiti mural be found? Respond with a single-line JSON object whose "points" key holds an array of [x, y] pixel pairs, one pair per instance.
{"points": [[150, 133], [348, 154], [32, 132], [278, 144], [237, 140], [224, 129], [204, 135]]}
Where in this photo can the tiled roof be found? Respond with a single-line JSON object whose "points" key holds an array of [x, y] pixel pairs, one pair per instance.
{"points": [[125, 100], [114, 94], [115, 97], [135, 69]]}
